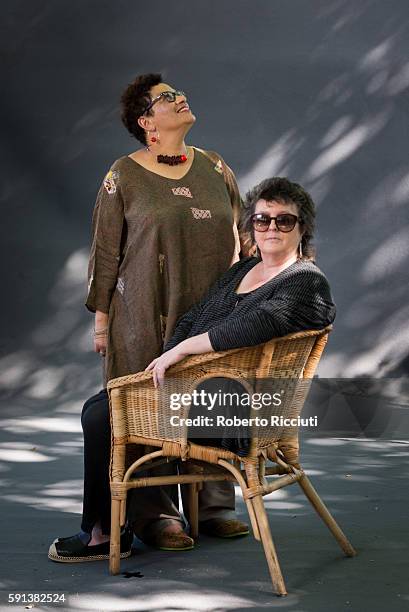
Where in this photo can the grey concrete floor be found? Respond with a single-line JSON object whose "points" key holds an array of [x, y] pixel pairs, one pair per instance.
{"points": [[363, 481]]}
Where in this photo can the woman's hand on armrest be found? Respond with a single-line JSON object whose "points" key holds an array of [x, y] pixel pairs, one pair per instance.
{"points": [[191, 346]]}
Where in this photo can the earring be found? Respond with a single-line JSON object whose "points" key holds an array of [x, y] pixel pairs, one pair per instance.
{"points": [[300, 249], [155, 138]]}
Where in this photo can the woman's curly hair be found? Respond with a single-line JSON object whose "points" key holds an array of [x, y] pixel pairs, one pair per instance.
{"points": [[280, 189], [134, 100]]}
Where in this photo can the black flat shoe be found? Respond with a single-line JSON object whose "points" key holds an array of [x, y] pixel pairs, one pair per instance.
{"points": [[73, 549]]}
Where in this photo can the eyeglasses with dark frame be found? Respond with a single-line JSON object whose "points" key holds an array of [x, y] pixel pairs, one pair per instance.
{"points": [[284, 222], [170, 96]]}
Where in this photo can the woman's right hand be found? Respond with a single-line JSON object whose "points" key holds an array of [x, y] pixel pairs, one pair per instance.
{"points": [[100, 345], [101, 333]]}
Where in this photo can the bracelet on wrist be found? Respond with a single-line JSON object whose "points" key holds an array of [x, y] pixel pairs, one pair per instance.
{"points": [[101, 332]]}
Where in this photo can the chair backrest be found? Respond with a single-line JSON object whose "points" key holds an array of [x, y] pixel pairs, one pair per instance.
{"points": [[285, 373], [141, 413]]}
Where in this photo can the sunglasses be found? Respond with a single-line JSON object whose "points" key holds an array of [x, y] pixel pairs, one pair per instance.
{"points": [[169, 96], [284, 222]]}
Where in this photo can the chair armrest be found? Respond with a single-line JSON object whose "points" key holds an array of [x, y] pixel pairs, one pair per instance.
{"points": [[188, 363], [198, 361]]}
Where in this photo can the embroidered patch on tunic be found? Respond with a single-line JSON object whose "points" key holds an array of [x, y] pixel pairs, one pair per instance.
{"points": [[219, 167], [182, 191], [198, 213], [120, 285], [110, 181]]}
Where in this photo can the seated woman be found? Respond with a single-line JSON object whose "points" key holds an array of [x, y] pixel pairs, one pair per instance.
{"points": [[275, 293], [278, 292]]}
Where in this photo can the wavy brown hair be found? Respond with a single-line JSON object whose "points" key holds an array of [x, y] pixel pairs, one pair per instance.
{"points": [[280, 189]]}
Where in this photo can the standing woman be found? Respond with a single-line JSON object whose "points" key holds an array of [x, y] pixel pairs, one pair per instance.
{"points": [[164, 229]]}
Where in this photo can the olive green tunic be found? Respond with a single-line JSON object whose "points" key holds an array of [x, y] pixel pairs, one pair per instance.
{"points": [[158, 244]]}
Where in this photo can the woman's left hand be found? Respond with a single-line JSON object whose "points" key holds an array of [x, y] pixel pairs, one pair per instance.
{"points": [[159, 365]]}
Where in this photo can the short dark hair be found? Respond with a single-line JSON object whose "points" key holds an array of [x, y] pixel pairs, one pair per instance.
{"points": [[134, 100], [280, 189]]}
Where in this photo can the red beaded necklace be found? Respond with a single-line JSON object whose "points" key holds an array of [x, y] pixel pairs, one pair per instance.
{"points": [[170, 160]]}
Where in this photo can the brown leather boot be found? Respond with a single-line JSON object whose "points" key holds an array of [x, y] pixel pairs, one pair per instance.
{"points": [[162, 539], [220, 528], [172, 541]]}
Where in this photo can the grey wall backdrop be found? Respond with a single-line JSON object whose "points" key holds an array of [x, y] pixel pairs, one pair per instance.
{"points": [[315, 90]]}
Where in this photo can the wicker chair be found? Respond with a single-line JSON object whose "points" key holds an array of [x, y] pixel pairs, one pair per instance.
{"points": [[140, 415]]}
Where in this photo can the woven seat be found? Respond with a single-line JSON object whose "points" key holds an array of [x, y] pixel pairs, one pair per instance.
{"points": [[141, 415]]}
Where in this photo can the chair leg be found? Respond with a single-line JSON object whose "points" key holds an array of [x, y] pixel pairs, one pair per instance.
{"points": [[122, 513], [268, 545], [253, 520], [235, 470], [115, 538], [326, 516], [193, 511]]}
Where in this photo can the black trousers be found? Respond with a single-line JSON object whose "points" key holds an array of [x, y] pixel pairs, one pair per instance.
{"points": [[97, 449]]}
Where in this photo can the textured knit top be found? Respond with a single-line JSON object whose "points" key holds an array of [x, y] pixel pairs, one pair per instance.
{"points": [[158, 245], [296, 299]]}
